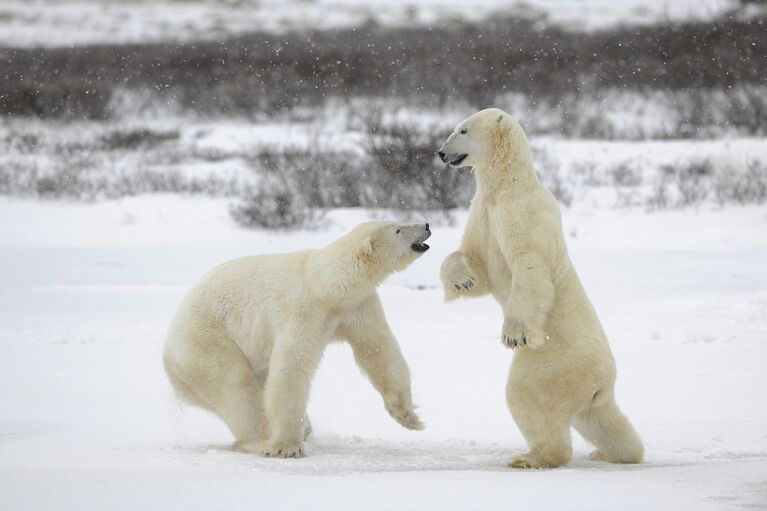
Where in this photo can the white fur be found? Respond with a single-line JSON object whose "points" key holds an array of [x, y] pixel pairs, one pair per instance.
{"points": [[247, 339], [514, 249]]}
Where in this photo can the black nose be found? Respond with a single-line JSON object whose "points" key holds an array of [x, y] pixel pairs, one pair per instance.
{"points": [[427, 227], [441, 155]]}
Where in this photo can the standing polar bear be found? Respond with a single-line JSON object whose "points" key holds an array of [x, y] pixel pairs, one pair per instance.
{"points": [[513, 248], [247, 339]]}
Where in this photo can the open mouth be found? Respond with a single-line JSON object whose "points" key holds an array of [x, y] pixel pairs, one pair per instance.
{"points": [[458, 160], [420, 246]]}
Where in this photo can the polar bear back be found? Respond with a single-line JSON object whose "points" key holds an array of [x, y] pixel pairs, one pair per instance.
{"points": [[245, 301]]}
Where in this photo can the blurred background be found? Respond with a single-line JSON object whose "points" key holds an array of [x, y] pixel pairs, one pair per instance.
{"points": [[289, 106]]}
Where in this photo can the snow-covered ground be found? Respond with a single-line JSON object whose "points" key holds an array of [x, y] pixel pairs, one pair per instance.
{"points": [[87, 420], [76, 22]]}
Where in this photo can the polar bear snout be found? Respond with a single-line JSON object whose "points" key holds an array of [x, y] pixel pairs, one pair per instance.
{"points": [[455, 150], [454, 159], [418, 245]]}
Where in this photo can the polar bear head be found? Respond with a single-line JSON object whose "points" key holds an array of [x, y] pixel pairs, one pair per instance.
{"points": [[480, 138], [351, 267], [391, 246]]}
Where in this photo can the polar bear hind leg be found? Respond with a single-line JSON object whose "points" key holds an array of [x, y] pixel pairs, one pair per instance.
{"points": [[224, 384], [610, 431], [545, 426]]}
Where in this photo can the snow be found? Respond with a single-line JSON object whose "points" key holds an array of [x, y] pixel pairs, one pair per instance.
{"points": [[78, 22], [88, 421]]}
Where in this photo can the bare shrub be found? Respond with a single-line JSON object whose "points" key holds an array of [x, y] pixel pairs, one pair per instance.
{"points": [[626, 179], [399, 173], [742, 185], [405, 169], [626, 174], [52, 97], [694, 182], [553, 177], [275, 206], [659, 196], [134, 138], [321, 179], [748, 109], [18, 177], [585, 172], [682, 185]]}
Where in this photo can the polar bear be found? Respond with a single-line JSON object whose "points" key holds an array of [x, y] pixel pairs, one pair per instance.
{"points": [[513, 248], [247, 339]]}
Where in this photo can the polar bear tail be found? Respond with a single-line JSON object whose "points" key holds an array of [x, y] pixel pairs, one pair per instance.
{"points": [[610, 431]]}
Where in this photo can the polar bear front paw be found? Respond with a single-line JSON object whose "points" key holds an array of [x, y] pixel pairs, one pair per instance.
{"points": [[405, 416], [516, 335], [457, 278], [284, 449], [459, 285]]}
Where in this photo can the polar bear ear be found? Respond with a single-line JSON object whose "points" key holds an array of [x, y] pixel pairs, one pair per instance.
{"points": [[502, 121], [367, 246]]}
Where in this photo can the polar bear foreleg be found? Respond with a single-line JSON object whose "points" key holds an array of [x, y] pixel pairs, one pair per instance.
{"points": [[378, 355], [291, 368], [460, 278], [531, 298], [381, 360]]}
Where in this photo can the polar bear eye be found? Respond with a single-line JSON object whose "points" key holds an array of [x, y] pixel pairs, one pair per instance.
{"points": [[463, 131], [398, 230]]}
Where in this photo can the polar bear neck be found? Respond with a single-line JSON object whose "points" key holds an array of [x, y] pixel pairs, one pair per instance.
{"points": [[340, 276], [510, 165]]}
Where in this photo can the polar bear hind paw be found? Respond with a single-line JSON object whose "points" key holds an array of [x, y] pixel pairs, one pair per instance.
{"points": [[529, 460], [520, 462], [282, 450]]}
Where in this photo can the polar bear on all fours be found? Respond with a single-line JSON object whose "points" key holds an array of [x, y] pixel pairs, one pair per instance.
{"points": [[247, 339], [513, 248]]}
